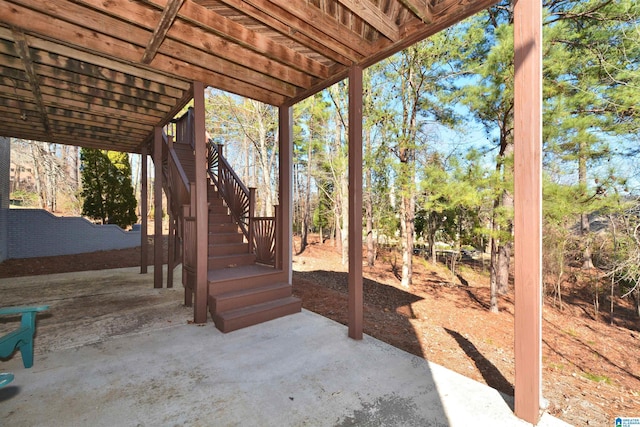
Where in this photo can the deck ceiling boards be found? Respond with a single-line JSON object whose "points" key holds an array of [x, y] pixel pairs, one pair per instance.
{"points": [[103, 73]]}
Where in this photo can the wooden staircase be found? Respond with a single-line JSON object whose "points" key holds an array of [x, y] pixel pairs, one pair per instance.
{"points": [[241, 291]]}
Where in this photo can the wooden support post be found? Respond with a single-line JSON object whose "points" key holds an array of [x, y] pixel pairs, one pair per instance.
{"points": [[356, 318], [528, 208], [144, 212], [157, 199], [171, 249], [201, 209], [171, 255], [285, 190]]}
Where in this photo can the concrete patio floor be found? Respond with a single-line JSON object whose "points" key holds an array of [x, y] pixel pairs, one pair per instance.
{"points": [[113, 351]]}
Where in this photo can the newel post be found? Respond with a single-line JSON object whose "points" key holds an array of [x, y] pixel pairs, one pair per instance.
{"points": [[277, 243]]}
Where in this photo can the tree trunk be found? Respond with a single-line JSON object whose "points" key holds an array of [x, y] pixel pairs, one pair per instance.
{"points": [[368, 206], [493, 279], [307, 201], [407, 224], [502, 271], [585, 226], [431, 239], [344, 190]]}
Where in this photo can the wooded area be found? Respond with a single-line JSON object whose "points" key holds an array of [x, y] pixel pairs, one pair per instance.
{"points": [[438, 149]]}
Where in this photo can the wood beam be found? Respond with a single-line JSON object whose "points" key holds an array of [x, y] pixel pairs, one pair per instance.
{"points": [[285, 188], [356, 317], [373, 16], [160, 32], [188, 62], [80, 117], [102, 94], [157, 200], [417, 31], [227, 28], [85, 63], [201, 208], [528, 208], [275, 18], [22, 47], [332, 32], [144, 210], [178, 106], [66, 80], [190, 43], [420, 8]]}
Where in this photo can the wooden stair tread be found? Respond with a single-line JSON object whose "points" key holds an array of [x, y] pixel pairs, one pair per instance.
{"points": [[256, 308], [245, 271], [238, 318], [239, 298], [250, 291]]}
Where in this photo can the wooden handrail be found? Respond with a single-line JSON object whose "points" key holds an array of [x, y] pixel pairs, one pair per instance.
{"points": [[260, 232], [236, 195]]}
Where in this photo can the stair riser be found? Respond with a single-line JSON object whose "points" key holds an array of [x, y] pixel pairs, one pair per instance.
{"points": [[224, 286], [256, 318], [229, 262], [223, 228], [221, 304], [228, 249], [215, 218], [218, 210], [223, 238]]}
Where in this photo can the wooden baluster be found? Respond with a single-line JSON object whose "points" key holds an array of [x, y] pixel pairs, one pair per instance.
{"points": [[252, 207], [221, 172]]}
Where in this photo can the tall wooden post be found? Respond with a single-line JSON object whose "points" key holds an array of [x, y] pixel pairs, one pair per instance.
{"points": [[528, 208], [201, 209], [144, 212], [285, 190], [157, 199], [171, 253], [355, 204]]}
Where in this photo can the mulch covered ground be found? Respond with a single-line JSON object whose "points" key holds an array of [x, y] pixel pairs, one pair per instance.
{"points": [[591, 369]]}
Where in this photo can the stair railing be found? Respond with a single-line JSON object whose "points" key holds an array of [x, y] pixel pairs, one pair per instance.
{"points": [[175, 178], [260, 232], [235, 194], [264, 232]]}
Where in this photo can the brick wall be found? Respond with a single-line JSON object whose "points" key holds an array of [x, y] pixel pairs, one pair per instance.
{"points": [[36, 233]]}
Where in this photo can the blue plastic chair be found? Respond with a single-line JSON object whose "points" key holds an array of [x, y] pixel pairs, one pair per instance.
{"points": [[21, 338], [5, 379]]}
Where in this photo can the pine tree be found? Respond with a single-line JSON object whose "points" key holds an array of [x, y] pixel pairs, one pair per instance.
{"points": [[107, 189]]}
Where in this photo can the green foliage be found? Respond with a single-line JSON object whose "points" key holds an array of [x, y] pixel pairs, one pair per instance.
{"points": [[25, 198], [106, 187], [597, 378], [454, 193]]}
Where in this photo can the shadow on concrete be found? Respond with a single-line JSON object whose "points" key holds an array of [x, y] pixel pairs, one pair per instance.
{"points": [[117, 340], [8, 392], [105, 357]]}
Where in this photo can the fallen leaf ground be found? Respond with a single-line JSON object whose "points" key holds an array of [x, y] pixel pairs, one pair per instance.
{"points": [[591, 369]]}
